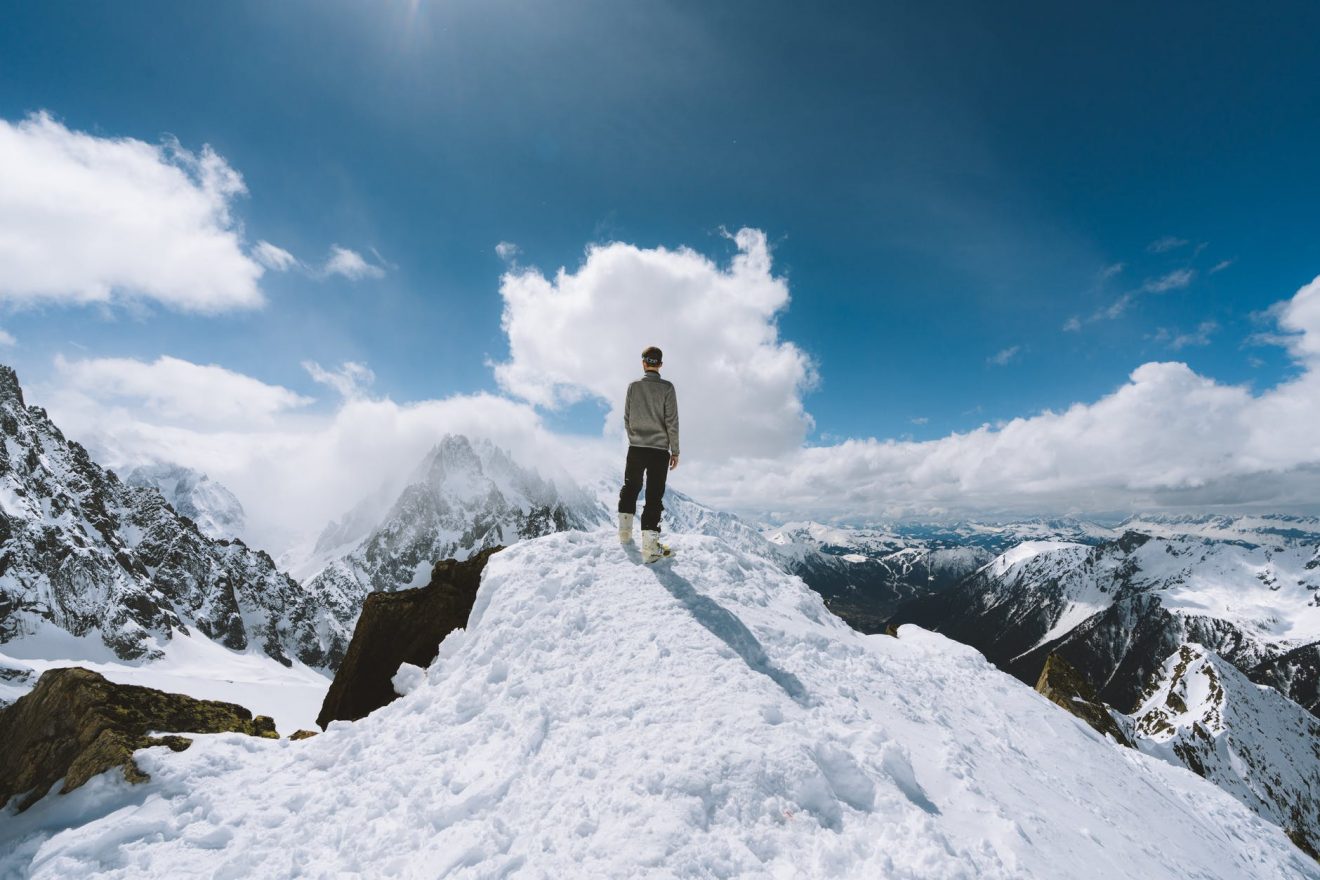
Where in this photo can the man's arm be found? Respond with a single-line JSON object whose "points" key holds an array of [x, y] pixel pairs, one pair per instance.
{"points": [[671, 425], [627, 410]]}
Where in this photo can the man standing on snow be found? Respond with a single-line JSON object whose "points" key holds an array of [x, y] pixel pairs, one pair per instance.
{"points": [[650, 416]]}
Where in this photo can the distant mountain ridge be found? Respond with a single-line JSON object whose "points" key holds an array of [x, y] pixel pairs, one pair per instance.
{"points": [[1116, 610], [464, 497], [215, 510]]}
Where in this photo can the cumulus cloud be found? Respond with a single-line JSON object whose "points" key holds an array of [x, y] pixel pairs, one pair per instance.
{"points": [[1004, 356], [350, 264], [1166, 437], [507, 250], [579, 336], [174, 391], [351, 380], [86, 219]]}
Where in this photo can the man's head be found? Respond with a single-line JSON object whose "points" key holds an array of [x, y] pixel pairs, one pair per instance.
{"points": [[652, 359]]}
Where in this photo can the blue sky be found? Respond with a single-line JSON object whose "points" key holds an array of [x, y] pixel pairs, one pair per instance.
{"points": [[943, 186]]}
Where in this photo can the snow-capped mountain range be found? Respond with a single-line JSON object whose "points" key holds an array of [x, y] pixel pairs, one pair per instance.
{"points": [[85, 553], [1116, 610], [709, 717], [130, 564]]}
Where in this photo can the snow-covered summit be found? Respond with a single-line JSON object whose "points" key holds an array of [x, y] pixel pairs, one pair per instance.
{"points": [[215, 510], [463, 497], [705, 717]]}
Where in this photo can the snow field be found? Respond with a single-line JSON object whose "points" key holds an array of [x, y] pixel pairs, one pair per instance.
{"points": [[705, 717]]}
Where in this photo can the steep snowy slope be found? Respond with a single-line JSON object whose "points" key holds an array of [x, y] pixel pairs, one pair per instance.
{"points": [[1248, 739], [83, 551], [211, 505], [702, 718]]}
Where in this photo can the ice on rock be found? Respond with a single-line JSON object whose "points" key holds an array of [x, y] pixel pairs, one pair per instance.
{"points": [[601, 718]]}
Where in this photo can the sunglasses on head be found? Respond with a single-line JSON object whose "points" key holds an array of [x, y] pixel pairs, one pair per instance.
{"points": [[651, 362]]}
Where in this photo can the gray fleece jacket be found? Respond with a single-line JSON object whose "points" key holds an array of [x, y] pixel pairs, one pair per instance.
{"points": [[650, 413]]}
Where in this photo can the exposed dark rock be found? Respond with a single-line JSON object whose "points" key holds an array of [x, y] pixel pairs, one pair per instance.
{"points": [[75, 724], [1295, 674], [1064, 686], [399, 627], [303, 734]]}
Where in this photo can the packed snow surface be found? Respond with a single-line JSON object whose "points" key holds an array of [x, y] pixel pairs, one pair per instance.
{"points": [[705, 717]]}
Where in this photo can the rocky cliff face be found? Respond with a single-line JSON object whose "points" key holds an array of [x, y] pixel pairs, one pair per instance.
{"points": [[86, 552], [400, 627], [75, 724]]}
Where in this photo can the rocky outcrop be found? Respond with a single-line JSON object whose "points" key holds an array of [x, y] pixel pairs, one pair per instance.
{"points": [[75, 724], [1064, 686], [400, 627]]}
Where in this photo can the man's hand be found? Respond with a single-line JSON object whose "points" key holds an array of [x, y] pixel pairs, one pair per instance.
{"points": [[673, 462]]}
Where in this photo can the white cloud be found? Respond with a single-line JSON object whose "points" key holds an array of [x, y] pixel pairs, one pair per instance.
{"points": [[174, 391], [1111, 270], [919, 420], [1167, 437], [1004, 356], [580, 336], [507, 250], [350, 264], [1072, 325], [1175, 280], [1221, 266], [295, 471], [274, 257], [351, 380], [1166, 244], [7, 338], [86, 219]]}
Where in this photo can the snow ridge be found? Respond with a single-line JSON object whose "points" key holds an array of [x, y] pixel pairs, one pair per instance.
{"points": [[702, 718]]}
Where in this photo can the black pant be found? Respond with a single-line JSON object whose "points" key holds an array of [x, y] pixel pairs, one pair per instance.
{"points": [[654, 464]]}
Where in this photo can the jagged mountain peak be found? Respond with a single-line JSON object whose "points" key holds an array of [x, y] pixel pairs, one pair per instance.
{"points": [[208, 503], [87, 553], [10, 388]]}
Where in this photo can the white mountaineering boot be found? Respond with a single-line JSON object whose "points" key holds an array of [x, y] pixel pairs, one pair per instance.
{"points": [[652, 549], [625, 528]]}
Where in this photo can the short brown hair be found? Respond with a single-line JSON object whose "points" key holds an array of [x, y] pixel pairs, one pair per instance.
{"points": [[653, 353]]}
